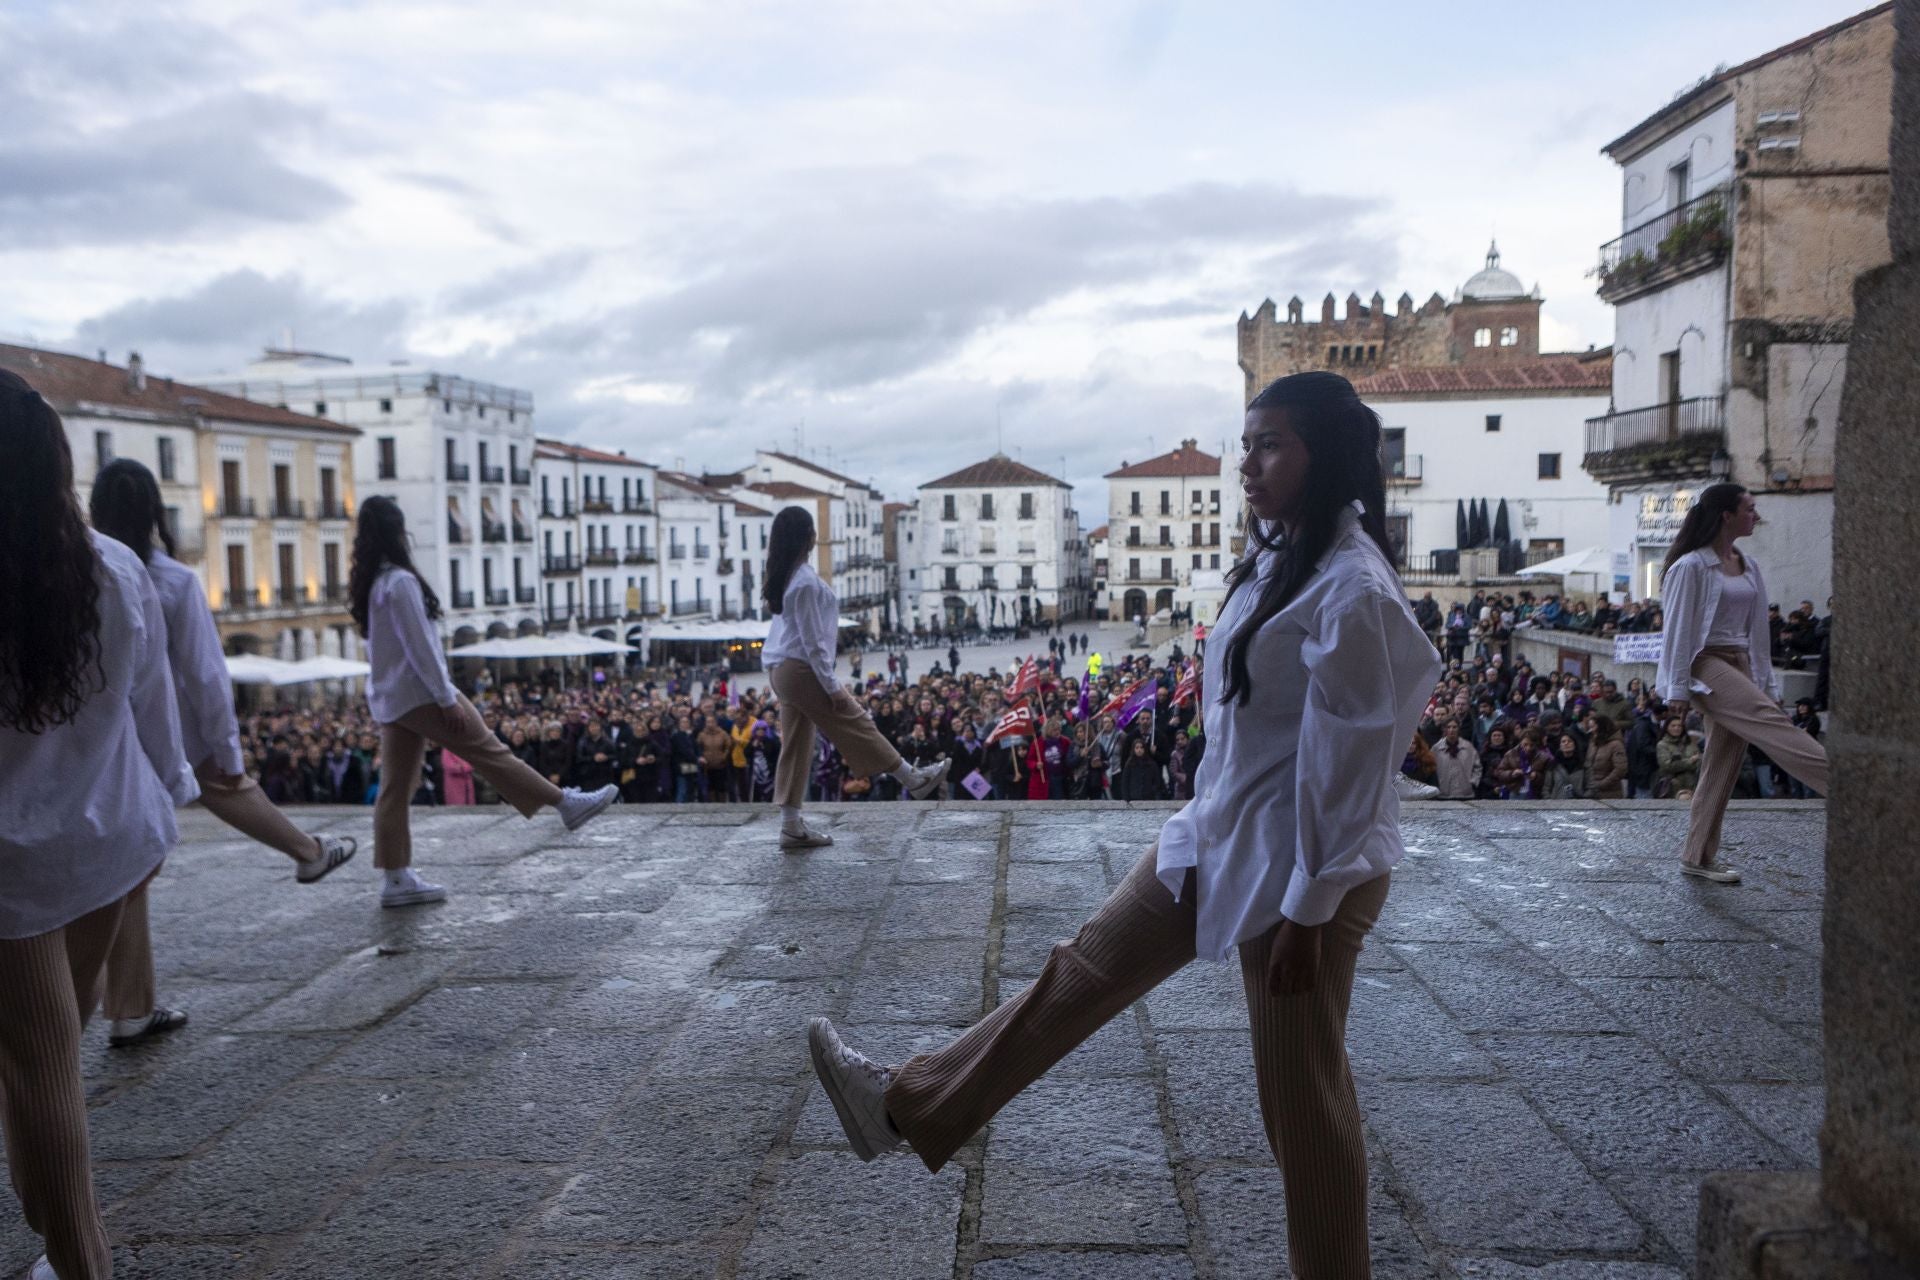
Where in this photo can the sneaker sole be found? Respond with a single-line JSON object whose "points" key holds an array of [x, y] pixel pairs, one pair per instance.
{"points": [[801, 846], [413, 898], [152, 1030], [1701, 875], [848, 1124], [934, 784], [591, 814]]}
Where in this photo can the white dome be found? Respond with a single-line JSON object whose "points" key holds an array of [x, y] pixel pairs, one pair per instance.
{"points": [[1491, 282]]}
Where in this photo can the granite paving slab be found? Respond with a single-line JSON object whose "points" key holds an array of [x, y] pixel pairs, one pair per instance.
{"points": [[590, 1062]]}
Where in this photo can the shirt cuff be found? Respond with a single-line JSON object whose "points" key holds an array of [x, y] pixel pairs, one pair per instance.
{"points": [[184, 789], [1310, 901]]}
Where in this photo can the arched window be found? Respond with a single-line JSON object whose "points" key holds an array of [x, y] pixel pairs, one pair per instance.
{"points": [[1509, 336], [1483, 337]]}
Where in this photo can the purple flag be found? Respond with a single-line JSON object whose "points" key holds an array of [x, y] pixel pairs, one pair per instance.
{"points": [[1142, 699], [1085, 688]]}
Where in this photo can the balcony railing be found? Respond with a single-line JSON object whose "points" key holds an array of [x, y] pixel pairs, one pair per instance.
{"points": [[676, 553], [597, 506], [599, 615], [1656, 424], [523, 595], [1680, 242], [639, 555], [521, 533], [681, 608], [1028, 548], [237, 601], [333, 509], [463, 599], [289, 509], [286, 596], [603, 556], [701, 551], [560, 564], [1406, 470], [334, 593], [636, 507], [493, 475], [725, 566], [455, 533], [234, 507], [522, 476], [491, 531], [563, 511], [459, 471], [498, 597]]}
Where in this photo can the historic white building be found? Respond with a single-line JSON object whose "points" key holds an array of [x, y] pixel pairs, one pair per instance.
{"points": [[746, 545], [458, 457], [693, 522], [1000, 545], [1167, 518], [850, 524], [599, 540], [901, 548]]}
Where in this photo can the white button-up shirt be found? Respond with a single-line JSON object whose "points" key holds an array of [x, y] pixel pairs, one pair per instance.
{"points": [[201, 685], [409, 669], [1293, 803], [86, 807], [1689, 597], [807, 626]]}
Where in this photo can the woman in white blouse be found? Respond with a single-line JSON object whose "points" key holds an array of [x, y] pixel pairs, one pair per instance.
{"points": [[125, 505], [414, 700], [91, 757], [799, 657], [1715, 650], [1317, 676]]}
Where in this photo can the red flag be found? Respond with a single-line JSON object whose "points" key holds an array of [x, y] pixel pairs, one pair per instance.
{"points": [[1027, 681], [1016, 723], [1189, 686]]}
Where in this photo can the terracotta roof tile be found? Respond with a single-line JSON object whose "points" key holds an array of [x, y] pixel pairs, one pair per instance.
{"points": [[1187, 460], [690, 483], [999, 471], [1573, 373], [545, 448], [816, 468], [786, 489], [748, 509], [70, 381], [1101, 532]]}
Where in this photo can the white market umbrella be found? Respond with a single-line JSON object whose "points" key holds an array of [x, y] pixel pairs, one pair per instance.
{"points": [[251, 668], [575, 645], [325, 668], [1592, 560]]}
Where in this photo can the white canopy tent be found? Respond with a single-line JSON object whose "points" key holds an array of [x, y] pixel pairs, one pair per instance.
{"points": [[569, 644], [733, 629], [1592, 560], [247, 668]]}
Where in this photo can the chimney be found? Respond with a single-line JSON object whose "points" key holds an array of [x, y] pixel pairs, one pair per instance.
{"points": [[136, 372]]}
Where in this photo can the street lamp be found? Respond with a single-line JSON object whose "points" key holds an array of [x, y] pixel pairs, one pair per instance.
{"points": [[1720, 466]]}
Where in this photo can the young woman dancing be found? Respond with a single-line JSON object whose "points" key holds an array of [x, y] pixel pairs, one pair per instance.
{"points": [[414, 700], [1715, 650], [799, 657], [1284, 857], [125, 505], [90, 748]]}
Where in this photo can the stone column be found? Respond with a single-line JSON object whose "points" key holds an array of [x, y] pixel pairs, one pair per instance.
{"points": [[1860, 1216]]}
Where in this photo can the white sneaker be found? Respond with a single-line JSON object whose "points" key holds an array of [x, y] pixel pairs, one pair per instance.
{"points": [[126, 1031], [857, 1087], [792, 841], [42, 1270], [1718, 872], [335, 852], [927, 779], [1413, 788], [411, 891], [578, 807]]}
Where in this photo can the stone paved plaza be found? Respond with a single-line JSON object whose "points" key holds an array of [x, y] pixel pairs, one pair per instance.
{"points": [[590, 1061]]}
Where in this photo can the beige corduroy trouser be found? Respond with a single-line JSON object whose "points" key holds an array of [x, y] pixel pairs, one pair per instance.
{"points": [[1737, 713], [1138, 939], [459, 729], [48, 986], [805, 705]]}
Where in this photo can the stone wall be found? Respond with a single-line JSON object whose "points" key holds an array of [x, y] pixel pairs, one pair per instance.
{"points": [[1367, 339]]}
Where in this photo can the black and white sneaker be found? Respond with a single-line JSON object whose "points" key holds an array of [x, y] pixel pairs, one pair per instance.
{"points": [[131, 1031], [335, 852], [857, 1087]]}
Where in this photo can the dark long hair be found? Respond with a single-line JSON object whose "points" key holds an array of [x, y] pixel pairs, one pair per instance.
{"points": [[1704, 518], [126, 506], [1343, 451], [379, 540], [49, 584], [786, 549]]}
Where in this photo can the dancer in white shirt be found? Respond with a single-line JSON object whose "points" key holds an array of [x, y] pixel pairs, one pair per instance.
{"points": [[126, 506], [1318, 676], [799, 657], [90, 751], [1715, 649], [413, 698]]}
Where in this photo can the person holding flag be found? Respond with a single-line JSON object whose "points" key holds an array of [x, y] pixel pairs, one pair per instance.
{"points": [[1283, 860], [799, 657]]}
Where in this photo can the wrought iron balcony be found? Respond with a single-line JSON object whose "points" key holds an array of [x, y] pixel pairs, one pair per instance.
{"points": [[560, 564], [455, 533], [522, 477], [676, 553], [639, 555], [493, 475], [234, 507], [603, 556], [636, 507], [498, 598], [459, 471], [596, 506], [521, 533], [333, 509], [1678, 243], [241, 600], [1406, 471], [462, 599], [523, 595], [286, 595], [1656, 424], [681, 608], [491, 531]]}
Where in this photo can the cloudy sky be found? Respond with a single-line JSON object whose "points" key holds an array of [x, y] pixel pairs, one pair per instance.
{"points": [[891, 234]]}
